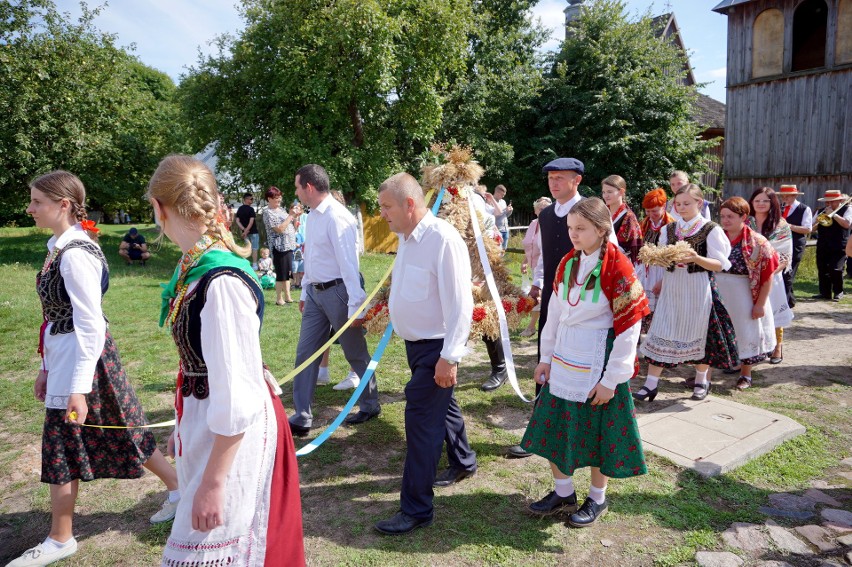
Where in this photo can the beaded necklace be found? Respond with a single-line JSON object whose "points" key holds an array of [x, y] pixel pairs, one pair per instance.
{"points": [[51, 256], [187, 262], [692, 228]]}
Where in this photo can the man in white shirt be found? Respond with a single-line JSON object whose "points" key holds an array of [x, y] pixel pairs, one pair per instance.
{"points": [[430, 307], [800, 218], [331, 295]]}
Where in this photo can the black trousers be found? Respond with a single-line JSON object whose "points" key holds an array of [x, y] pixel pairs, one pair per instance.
{"points": [[789, 276], [830, 263], [432, 417]]}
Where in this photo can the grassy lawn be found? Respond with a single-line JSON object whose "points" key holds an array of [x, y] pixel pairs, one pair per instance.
{"points": [[353, 480]]}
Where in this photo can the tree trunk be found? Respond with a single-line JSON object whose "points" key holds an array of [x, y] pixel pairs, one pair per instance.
{"points": [[357, 127]]}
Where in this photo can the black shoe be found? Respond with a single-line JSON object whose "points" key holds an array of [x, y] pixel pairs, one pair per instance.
{"points": [[705, 389], [645, 394], [838, 297], [518, 452], [588, 514], [361, 417], [299, 430], [452, 476], [402, 523], [494, 381], [554, 504], [819, 296]]}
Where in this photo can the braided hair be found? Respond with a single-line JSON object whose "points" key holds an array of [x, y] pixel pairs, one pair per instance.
{"points": [[58, 185], [189, 187]]}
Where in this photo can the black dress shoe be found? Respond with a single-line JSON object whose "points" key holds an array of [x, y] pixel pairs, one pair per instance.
{"points": [[402, 523], [361, 417], [700, 391], [518, 452], [588, 514], [452, 476], [494, 381], [554, 504], [819, 296], [299, 430], [645, 394]]}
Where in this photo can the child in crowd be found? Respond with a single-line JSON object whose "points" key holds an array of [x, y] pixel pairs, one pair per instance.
{"points": [[265, 269]]}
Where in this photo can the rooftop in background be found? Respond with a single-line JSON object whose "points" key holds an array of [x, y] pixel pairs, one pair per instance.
{"points": [[726, 5]]}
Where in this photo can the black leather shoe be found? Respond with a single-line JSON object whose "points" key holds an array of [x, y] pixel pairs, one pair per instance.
{"points": [[700, 391], [402, 523], [518, 452], [299, 430], [494, 381], [645, 394], [588, 514], [361, 417], [819, 296], [554, 504], [452, 476]]}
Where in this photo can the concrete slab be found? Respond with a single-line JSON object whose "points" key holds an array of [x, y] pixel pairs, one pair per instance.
{"points": [[714, 435]]}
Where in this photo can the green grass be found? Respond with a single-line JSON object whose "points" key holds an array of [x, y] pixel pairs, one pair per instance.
{"points": [[353, 480]]}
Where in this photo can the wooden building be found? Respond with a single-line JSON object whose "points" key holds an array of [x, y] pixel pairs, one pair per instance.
{"points": [[789, 95]]}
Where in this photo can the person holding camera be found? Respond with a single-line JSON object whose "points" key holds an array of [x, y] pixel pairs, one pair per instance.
{"points": [[133, 247]]}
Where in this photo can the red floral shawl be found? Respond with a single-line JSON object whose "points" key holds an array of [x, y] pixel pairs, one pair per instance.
{"points": [[629, 234], [619, 283], [760, 258]]}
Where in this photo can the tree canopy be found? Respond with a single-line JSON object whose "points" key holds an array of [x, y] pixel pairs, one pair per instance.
{"points": [[75, 101]]}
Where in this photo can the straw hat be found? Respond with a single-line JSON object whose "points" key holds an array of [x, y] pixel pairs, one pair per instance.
{"points": [[789, 190], [833, 195]]}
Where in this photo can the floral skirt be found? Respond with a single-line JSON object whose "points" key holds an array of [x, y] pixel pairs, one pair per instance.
{"points": [[574, 435], [70, 451], [720, 350]]}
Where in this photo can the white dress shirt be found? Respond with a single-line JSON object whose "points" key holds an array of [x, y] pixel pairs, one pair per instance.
{"points": [[71, 358], [561, 210], [585, 314], [431, 295], [807, 215], [331, 250], [718, 245]]}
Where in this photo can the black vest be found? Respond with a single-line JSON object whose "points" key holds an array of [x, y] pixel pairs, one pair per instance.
{"points": [[555, 244], [795, 218], [697, 241], [186, 329], [50, 285], [833, 237]]}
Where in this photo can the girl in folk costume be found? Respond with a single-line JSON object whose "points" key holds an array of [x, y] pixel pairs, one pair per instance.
{"points": [[585, 416], [766, 210], [655, 219], [81, 380], [746, 285], [691, 325], [234, 451], [532, 251], [624, 222]]}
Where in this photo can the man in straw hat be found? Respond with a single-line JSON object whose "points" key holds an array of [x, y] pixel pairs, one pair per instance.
{"points": [[801, 219], [831, 243]]}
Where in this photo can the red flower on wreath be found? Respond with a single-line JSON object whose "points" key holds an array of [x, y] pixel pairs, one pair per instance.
{"points": [[453, 190], [478, 314], [507, 305]]}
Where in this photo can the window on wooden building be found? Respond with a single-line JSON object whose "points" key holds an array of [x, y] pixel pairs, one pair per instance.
{"points": [[810, 23], [843, 49], [767, 52]]}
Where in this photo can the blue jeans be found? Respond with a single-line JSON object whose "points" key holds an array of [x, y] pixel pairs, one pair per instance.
{"points": [[254, 240], [505, 235]]}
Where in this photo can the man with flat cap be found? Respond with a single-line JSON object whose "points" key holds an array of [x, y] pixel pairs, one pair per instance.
{"points": [[432, 312], [563, 178]]}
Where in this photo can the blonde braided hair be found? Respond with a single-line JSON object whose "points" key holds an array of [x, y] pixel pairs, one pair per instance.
{"points": [[187, 185]]}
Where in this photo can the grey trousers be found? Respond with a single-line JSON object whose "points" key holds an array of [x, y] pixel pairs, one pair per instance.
{"points": [[324, 309]]}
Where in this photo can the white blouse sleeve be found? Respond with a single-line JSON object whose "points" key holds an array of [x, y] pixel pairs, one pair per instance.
{"points": [[548, 333], [719, 247], [230, 341], [81, 272], [619, 368]]}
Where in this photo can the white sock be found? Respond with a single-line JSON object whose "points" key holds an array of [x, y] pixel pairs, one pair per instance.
{"points": [[564, 486], [50, 545], [597, 494], [651, 382], [174, 496], [701, 377], [323, 372]]}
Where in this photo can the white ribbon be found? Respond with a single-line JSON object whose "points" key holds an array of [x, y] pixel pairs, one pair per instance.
{"points": [[498, 303]]}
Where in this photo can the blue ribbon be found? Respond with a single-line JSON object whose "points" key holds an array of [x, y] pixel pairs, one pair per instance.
{"points": [[365, 379]]}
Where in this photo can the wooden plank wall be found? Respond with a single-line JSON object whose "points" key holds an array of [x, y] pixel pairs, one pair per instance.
{"points": [[813, 187]]}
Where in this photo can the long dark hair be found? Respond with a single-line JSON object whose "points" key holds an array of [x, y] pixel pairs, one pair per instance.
{"points": [[774, 216]]}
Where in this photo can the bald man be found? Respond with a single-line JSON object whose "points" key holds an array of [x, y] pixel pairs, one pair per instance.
{"points": [[430, 307]]}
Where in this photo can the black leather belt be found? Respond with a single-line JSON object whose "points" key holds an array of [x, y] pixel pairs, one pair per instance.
{"points": [[325, 285]]}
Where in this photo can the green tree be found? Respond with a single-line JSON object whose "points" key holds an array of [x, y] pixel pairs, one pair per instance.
{"points": [[614, 99], [354, 85], [74, 100]]}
